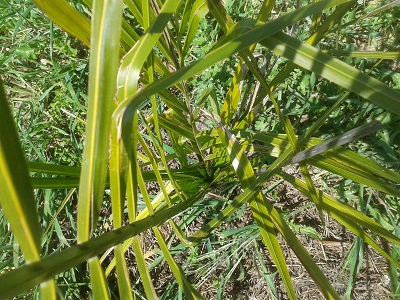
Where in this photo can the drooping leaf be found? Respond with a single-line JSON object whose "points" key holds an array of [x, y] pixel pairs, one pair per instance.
{"points": [[67, 17], [335, 70]]}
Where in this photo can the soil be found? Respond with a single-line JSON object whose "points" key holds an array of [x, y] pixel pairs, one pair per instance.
{"points": [[248, 282]]}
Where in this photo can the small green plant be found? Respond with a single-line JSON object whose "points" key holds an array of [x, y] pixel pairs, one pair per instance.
{"points": [[159, 141]]}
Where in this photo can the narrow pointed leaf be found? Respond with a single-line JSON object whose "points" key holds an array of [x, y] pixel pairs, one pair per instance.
{"points": [[188, 289], [16, 197], [246, 176], [335, 70], [67, 17], [98, 280], [342, 209], [22, 279], [227, 47], [124, 285], [132, 63], [199, 10], [104, 60], [143, 269], [48, 290]]}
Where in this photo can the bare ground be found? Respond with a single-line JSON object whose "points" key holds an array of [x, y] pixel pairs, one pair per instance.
{"points": [[330, 254]]}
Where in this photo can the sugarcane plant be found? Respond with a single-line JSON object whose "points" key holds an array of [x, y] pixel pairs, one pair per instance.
{"points": [[144, 124]]}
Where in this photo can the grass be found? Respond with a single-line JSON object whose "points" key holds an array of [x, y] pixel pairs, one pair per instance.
{"points": [[47, 85], [202, 143]]}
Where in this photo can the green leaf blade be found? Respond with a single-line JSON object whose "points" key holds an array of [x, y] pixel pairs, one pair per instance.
{"points": [[335, 70], [16, 198], [102, 87], [68, 18]]}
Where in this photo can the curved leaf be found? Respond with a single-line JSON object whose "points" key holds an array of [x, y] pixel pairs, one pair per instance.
{"points": [[67, 17], [334, 70]]}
